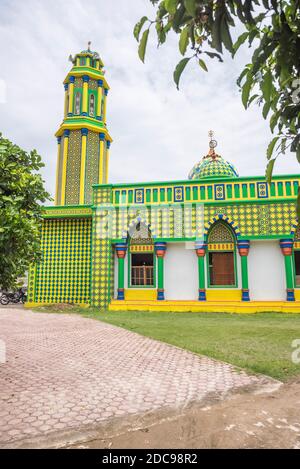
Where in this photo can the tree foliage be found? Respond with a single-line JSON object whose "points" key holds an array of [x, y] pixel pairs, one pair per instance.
{"points": [[21, 192], [270, 27]]}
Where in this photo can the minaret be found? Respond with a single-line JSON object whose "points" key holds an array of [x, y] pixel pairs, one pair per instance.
{"points": [[83, 139]]}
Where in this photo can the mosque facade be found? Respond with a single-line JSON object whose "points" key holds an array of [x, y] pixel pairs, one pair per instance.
{"points": [[211, 242]]}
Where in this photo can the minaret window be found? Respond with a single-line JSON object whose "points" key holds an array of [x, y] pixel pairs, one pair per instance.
{"points": [[77, 103], [92, 105], [82, 61]]}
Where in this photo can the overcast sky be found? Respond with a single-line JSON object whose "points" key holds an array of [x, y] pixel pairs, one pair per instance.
{"points": [[159, 133]]}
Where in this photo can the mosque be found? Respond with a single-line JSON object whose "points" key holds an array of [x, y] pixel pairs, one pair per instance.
{"points": [[212, 242]]}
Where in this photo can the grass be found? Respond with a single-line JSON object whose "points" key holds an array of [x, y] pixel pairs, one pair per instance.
{"points": [[257, 342]]}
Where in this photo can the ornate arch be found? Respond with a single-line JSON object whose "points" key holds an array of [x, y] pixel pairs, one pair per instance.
{"points": [[221, 232], [221, 217], [135, 222]]}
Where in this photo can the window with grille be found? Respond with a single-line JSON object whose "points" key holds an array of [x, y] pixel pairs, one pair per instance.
{"points": [[142, 270]]}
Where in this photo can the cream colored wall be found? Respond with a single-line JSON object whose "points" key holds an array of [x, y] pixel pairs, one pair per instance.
{"points": [[266, 271], [181, 272]]}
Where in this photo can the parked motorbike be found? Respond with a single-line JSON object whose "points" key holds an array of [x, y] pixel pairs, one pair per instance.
{"points": [[13, 297]]}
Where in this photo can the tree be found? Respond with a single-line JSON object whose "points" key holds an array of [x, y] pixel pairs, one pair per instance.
{"points": [[271, 79], [21, 192]]}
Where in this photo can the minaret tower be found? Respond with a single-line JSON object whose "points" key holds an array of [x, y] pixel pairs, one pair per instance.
{"points": [[83, 139]]}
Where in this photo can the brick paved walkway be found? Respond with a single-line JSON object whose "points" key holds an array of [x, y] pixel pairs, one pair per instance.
{"points": [[65, 372]]}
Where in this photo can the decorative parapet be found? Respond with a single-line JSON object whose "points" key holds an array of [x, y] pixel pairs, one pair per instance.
{"points": [[251, 189]]}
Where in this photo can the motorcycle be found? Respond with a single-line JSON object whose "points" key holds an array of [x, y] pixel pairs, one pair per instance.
{"points": [[13, 297]]}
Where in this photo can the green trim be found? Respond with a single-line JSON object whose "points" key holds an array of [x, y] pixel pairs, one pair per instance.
{"points": [[81, 120], [244, 269], [273, 200], [68, 211], [121, 272], [201, 272], [160, 273], [204, 181], [129, 270], [289, 272]]}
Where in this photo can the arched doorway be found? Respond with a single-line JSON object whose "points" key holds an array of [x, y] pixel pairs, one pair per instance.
{"points": [[221, 256]]}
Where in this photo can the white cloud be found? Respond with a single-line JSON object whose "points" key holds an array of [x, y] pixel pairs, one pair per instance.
{"points": [[159, 133]]}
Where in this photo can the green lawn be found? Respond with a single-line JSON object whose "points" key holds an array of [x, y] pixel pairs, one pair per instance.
{"points": [[257, 342]]}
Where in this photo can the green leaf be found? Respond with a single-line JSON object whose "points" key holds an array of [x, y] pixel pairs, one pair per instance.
{"points": [[213, 55], [190, 6], [266, 86], [274, 120], [203, 65], [143, 45], [266, 110], [271, 146], [298, 154], [216, 32], [225, 34], [269, 170], [184, 40], [138, 27], [171, 5], [246, 88], [241, 39], [179, 69]]}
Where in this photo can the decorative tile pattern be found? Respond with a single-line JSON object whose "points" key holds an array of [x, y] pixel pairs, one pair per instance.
{"points": [[93, 85], [63, 275], [91, 166], [141, 248], [73, 168], [219, 192], [139, 196], [102, 277], [220, 233], [67, 212], [262, 190], [178, 194], [212, 167], [221, 246], [31, 283]]}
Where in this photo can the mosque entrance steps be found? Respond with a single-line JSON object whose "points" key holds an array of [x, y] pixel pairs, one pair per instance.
{"points": [[206, 306]]}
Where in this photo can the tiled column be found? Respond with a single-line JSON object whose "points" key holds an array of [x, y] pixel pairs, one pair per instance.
{"points": [[243, 247], [121, 249], [286, 246], [160, 250], [200, 248]]}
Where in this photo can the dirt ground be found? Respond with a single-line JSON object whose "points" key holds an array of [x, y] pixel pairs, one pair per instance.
{"points": [[268, 420]]}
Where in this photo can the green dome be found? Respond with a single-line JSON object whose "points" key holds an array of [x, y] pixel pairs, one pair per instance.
{"points": [[212, 166]]}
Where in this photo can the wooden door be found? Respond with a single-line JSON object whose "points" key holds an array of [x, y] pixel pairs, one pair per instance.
{"points": [[222, 268]]}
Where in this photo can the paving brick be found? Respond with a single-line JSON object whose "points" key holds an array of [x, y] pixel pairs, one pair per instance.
{"points": [[64, 372]]}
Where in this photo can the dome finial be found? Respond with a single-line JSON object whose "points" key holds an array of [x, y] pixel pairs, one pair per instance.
{"points": [[212, 145], [89, 46]]}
